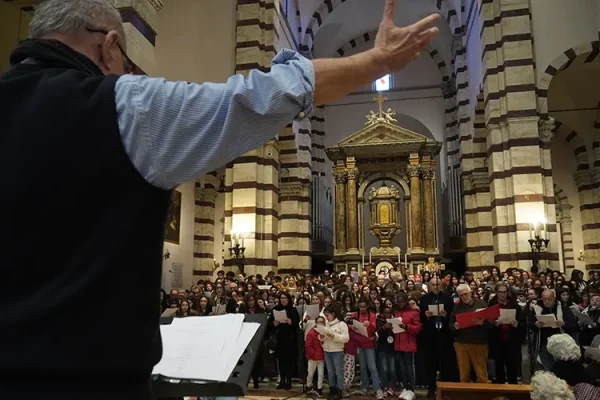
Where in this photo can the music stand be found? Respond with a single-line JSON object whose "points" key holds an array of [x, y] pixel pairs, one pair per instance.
{"points": [[235, 386]]}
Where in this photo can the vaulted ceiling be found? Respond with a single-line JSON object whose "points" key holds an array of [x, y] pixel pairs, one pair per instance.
{"points": [[330, 25]]}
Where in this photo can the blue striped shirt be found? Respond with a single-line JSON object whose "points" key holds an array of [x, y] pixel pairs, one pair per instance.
{"points": [[174, 132]]}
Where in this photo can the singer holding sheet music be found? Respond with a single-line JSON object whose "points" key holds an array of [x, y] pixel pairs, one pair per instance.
{"points": [[105, 149]]}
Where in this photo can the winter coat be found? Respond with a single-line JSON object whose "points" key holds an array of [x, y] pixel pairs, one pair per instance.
{"points": [[407, 341], [364, 342], [313, 346], [340, 336]]}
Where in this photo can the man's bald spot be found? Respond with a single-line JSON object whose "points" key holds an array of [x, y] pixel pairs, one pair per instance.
{"points": [[548, 293]]}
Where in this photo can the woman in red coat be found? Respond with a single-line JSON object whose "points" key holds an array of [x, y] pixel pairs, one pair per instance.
{"points": [[405, 344], [366, 345]]}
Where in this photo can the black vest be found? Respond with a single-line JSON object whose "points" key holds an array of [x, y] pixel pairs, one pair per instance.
{"points": [[81, 237]]}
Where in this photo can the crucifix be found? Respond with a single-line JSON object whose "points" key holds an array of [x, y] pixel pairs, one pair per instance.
{"points": [[380, 99]]}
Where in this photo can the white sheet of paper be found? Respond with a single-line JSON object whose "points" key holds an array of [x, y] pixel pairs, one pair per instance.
{"points": [[396, 324], [321, 329], [433, 308], [360, 328], [169, 312], [312, 310], [507, 316], [280, 316], [585, 319], [549, 320], [592, 352], [186, 357]]}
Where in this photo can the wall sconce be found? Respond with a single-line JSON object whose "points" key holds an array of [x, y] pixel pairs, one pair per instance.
{"points": [[166, 255], [581, 256]]}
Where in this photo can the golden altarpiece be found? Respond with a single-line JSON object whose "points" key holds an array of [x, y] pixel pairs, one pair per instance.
{"points": [[384, 151]]}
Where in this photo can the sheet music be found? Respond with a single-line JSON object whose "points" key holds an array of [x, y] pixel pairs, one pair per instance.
{"points": [[507, 316], [321, 329], [396, 324], [360, 328], [190, 346], [169, 312], [312, 310], [584, 318], [433, 308], [549, 320], [280, 316]]}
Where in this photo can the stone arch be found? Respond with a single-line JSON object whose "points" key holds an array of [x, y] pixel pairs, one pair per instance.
{"points": [[381, 176], [576, 144], [563, 207], [585, 53], [370, 36], [446, 8]]}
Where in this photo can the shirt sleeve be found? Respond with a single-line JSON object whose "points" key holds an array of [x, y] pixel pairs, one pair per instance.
{"points": [[175, 132]]}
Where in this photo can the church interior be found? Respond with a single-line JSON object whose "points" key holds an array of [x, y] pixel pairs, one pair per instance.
{"points": [[483, 153], [492, 135]]}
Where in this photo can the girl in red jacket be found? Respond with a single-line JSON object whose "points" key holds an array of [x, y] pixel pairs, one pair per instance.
{"points": [[405, 344], [366, 346], [315, 357]]}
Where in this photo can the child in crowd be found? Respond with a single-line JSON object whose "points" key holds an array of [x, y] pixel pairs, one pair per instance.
{"points": [[385, 352], [315, 357], [333, 346]]}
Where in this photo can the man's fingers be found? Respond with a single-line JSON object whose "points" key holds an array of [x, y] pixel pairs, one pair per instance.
{"points": [[427, 36], [388, 13], [426, 23]]}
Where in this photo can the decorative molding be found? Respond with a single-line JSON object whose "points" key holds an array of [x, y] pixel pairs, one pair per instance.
{"points": [[547, 129], [479, 180], [414, 171], [290, 189], [203, 194], [157, 4]]}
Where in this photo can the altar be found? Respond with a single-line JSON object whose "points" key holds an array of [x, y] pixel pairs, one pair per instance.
{"points": [[385, 196]]}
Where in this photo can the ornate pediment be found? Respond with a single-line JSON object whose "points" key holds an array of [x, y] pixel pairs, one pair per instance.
{"points": [[382, 132], [381, 138]]}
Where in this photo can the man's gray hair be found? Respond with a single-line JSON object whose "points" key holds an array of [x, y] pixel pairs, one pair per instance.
{"points": [[463, 287], [75, 16], [546, 386]]}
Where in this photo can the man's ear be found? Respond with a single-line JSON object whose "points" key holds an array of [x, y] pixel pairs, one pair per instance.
{"points": [[110, 50]]}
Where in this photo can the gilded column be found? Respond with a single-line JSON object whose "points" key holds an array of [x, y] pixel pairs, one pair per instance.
{"points": [[351, 212], [414, 172], [340, 207], [428, 210]]}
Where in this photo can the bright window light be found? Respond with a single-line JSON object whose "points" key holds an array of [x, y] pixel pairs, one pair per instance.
{"points": [[383, 84]]}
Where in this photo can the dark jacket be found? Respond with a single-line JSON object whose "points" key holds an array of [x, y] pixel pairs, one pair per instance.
{"points": [[429, 324], [286, 333], [473, 334], [569, 319], [83, 228], [506, 336], [570, 371]]}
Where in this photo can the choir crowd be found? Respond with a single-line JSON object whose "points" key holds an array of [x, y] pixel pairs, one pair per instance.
{"points": [[404, 333]]}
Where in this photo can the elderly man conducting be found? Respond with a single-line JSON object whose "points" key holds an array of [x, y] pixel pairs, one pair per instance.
{"points": [[90, 157], [471, 343]]}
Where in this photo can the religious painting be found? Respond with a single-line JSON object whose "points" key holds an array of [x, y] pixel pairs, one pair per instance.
{"points": [[173, 227]]}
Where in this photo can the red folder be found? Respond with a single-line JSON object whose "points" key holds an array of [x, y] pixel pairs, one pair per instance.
{"points": [[465, 320]]}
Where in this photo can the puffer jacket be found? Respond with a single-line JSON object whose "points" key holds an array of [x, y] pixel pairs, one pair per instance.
{"points": [[364, 342], [340, 336], [407, 341]]}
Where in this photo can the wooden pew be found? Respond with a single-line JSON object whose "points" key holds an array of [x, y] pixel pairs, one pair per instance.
{"points": [[481, 391]]}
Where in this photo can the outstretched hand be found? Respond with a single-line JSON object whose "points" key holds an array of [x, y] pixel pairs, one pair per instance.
{"points": [[398, 46]]}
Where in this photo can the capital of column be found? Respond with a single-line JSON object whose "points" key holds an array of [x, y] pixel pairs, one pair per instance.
{"points": [[340, 176], [427, 173], [414, 171], [352, 174], [547, 129], [566, 222], [157, 4], [204, 194]]}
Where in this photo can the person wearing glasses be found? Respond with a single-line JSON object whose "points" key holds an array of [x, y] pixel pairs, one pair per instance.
{"points": [[506, 336], [471, 343], [90, 155]]}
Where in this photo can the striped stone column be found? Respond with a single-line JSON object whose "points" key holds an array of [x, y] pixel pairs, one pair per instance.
{"points": [[567, 243], [518, 179], [587, 185], [476, 189], [251, 181], [295, 198], [204, 229]]}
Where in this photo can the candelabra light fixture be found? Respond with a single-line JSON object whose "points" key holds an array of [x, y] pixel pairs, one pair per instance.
{"points": [[237, 250], [538, 242]]}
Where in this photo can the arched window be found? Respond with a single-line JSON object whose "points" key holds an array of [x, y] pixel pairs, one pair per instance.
{"points": [[383, 84]]}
